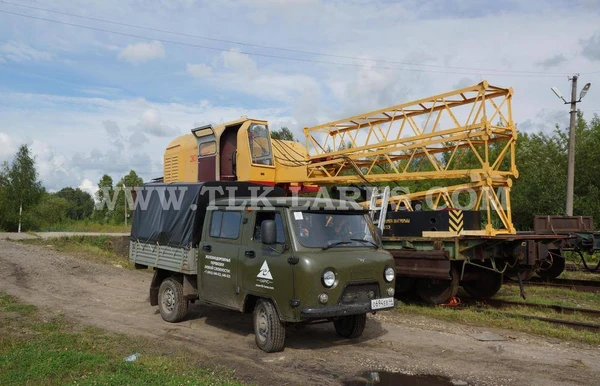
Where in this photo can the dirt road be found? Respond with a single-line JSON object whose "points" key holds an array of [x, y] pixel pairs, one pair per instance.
{"points": [[49, 235], [116, 299]]}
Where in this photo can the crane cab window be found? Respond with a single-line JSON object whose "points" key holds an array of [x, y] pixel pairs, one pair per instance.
{"points": [[207, 148], [260, 144], [225, 225]]}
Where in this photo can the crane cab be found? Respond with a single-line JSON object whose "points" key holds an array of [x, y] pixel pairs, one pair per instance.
{"points": [[240, 150], [236, 151]]}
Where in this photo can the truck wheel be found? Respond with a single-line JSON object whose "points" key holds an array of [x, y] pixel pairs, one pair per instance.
{"points": [[171, 303], [351, 326], [268, 328]]}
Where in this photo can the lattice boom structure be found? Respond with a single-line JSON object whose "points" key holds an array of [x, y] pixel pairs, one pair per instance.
{"points": [[467, 134]]}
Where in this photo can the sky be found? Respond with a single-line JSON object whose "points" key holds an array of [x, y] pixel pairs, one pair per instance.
{"points": [[97, 87]]}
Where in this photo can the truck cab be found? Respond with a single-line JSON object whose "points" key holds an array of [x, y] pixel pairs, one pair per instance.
{"points": [[288, 260]]}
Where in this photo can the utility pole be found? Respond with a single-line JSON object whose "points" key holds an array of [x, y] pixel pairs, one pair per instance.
{"points": [[571, 155]]}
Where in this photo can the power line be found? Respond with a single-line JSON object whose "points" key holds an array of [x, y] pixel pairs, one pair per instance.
{"points": [[268, 55], [272, 47]]}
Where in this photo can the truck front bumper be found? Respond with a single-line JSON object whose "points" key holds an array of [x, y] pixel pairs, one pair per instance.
{"points": [[340, 310]]}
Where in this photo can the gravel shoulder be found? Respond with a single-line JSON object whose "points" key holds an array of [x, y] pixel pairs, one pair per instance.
{"points": [[116, 300], [49, 235]]}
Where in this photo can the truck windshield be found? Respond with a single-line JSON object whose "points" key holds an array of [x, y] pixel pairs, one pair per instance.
{"points": [[328, 230]]}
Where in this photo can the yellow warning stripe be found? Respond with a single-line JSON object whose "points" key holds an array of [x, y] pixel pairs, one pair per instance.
{"points": [[456, 221]]}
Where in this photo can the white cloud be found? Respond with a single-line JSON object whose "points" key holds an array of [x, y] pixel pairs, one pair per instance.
{"points": [[151, 122], [8, 147], [88, 186], [239, 72], [198, 70], [142, 52], [54, 169], [20, 52], [235, 61]]}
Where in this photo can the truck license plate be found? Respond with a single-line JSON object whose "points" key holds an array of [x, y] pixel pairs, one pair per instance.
{"points": [[377, 304]]}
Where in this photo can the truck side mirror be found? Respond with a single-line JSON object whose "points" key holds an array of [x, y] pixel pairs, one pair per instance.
{"points": [[268, 232]]}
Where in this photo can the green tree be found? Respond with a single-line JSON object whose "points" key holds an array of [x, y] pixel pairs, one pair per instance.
{"points": [[587, 167], [52, 210], [284, 134], [540, 188], [103, 212], [126, 185], [21, 192], [81, 204]]}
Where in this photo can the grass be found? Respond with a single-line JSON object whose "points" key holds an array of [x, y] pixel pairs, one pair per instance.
{"points": [[86, 226], [515, 321], [551, 295], [580, 275], [499, 319], [41, 351], [98, 249]]}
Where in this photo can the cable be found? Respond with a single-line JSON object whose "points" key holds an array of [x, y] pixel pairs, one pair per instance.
{"points": [[273, 47], [295, 162], [268, 55], [283, 148]]}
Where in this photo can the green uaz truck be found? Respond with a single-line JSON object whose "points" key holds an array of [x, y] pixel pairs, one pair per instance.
{"points": [[246, 247]]}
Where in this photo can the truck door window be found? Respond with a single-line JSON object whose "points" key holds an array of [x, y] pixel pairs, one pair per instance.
{"points": [[225, 224], [260, 144], [261, 216]]}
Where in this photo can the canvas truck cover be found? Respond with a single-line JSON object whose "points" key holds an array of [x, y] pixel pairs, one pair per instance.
{"points": [[173, 214]]}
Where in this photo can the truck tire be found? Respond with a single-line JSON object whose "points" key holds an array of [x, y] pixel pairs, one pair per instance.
{"points": [[351, 326], [172, 305], [269, 331]]}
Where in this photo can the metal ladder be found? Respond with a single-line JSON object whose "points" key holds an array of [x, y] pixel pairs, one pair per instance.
{"points": [[379, 194]]}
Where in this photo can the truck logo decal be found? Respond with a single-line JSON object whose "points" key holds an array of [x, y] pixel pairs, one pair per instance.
{"points": [[265, 272]]}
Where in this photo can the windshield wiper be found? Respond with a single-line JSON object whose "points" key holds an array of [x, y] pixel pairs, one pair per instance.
{"points": [[337, 243], [367, 241]]}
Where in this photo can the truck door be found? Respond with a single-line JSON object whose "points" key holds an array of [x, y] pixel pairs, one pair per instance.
{"points": [[265, 268], [218, 262]]}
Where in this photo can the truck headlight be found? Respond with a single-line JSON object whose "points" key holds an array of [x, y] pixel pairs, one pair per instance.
{"points": [[389, 274], [328, 279]]}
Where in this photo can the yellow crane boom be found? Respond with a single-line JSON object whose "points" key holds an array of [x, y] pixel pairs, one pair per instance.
{"points": [[430, 138]]}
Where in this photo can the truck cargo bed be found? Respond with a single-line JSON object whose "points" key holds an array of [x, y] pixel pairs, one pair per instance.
{"points": [[181, 260]]}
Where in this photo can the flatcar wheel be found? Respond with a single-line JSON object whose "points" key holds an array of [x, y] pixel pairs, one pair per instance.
{"points": [[552, 269], [435, 291], [486, 285]]}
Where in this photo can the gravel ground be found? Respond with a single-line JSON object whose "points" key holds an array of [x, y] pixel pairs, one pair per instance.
{"points": [[48, 235], [116, 299]]}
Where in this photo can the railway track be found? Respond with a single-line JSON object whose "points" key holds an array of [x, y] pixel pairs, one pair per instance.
{"points": [[507, 304], [573, 284]]}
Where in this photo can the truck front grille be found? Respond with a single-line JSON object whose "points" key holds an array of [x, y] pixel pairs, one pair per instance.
{"points": [[359, 293]]}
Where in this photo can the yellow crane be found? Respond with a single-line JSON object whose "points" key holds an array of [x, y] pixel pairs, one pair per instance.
{"points": [[465, 139]]}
